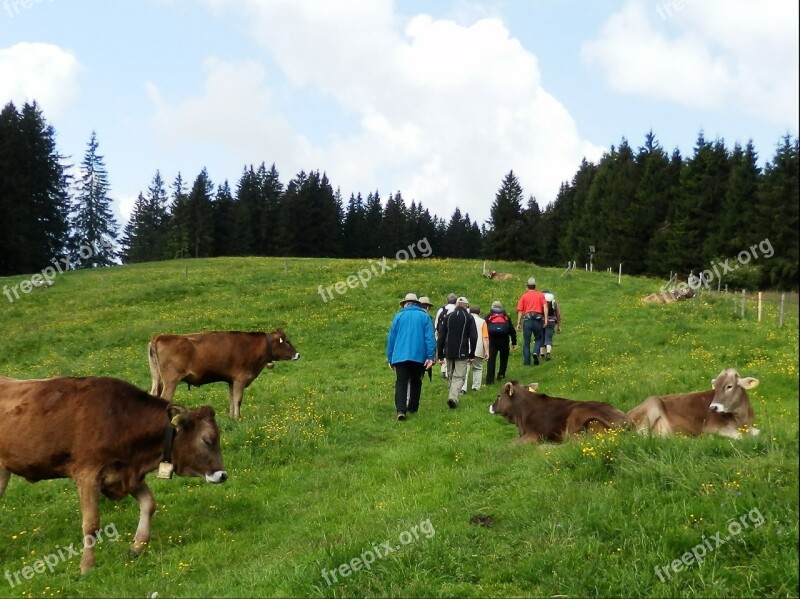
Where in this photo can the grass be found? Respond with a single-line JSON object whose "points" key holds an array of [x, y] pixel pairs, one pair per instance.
{"points": [[320, 471]]}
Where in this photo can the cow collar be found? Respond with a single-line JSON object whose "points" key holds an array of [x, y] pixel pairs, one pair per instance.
{"points": [[268, 348], [165, 468]]}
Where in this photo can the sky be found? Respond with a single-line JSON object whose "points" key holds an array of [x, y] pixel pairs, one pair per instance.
{"points": [[436, 99]]}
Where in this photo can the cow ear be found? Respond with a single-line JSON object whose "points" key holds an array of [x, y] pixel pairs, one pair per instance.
{"points": [[177, 415], [509, 389], [748, 382]]}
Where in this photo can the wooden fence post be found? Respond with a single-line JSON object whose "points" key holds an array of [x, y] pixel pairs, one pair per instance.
{"points": [[759, 306], [619, 279], [744, 300], [780, 318]]}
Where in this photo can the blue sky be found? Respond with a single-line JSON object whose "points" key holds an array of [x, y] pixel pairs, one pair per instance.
{"points": [[437, 99]]}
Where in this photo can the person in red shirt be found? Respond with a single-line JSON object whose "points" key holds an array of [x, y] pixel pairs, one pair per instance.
{"points": [[531, 318]]}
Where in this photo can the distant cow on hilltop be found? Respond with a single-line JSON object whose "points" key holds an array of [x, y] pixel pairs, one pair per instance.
{"points": [[498, 276]]}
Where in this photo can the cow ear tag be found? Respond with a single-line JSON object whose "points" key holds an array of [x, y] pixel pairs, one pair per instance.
{"points": [[165, 470], [175, 420], [532, 389]]}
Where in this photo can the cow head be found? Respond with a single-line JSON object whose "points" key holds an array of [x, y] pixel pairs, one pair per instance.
{"points": [[195, 450], [504, 404], [280, 348], [730, 390]]}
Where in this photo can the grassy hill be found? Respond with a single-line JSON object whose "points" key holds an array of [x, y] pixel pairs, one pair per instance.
{"points": [[321, 472]]}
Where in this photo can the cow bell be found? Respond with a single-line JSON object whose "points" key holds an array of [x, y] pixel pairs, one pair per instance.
{"points": [[165, 470]]}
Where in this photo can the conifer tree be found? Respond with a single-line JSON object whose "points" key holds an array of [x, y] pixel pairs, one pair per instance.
{"points": [[178, 235], [145, 237], [776, 222], [503, 239], [223, 208], [34, 201], [94, 228]]}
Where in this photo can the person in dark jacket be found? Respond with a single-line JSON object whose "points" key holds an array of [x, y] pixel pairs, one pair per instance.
{"points": [[410, 349], [457, 341], [501, 330]]}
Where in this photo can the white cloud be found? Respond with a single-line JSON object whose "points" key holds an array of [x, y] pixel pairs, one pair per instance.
{"points": [[726, 54], [234, 111], [41, 72], [443, 110]]}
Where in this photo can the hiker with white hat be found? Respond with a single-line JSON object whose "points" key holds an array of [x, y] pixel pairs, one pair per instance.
{"points": [[410, 350], [458, 339]]}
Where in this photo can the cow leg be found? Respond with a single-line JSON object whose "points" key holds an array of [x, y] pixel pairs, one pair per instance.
{"points": [[237, 393], [4, 476], [650, 417], [89, 493], [168, 389], [147, 506]]}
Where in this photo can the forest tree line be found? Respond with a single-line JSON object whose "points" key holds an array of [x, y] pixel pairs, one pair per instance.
{"points": [[651, 211]]}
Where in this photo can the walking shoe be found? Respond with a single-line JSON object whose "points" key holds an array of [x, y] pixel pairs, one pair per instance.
{"points": [[535, 360], [452, 403], [401, 416], [463, 391], [547, 356], [475, 389], [500, 377]]}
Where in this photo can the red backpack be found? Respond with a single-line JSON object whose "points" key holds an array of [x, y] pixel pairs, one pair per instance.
{"points": [[498, 324]]}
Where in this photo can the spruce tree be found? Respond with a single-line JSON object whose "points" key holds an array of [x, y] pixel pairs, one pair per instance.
{"points": [[503, 240], [199, 216], [34, 203], [145, 237], [223, 218], [94, 228], [776, 223], [178, 246]]}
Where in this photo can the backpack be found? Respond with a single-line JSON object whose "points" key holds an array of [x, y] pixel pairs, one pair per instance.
{"points": [[497, 323], [551, 306]]}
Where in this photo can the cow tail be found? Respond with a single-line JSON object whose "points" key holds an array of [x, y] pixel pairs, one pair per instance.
{"points": [[157, 386]]}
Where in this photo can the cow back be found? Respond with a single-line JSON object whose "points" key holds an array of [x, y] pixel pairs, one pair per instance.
{"points": [[55, 427]]}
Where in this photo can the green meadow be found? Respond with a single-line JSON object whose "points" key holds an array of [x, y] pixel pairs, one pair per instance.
{"points": [[321, 473]]}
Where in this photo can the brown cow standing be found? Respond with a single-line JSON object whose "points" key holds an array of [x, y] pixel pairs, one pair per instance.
{"points": [[723, 409], [106, 435], [198, 359], [541, 417]]}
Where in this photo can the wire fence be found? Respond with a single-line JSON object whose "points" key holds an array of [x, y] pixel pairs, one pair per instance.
{"points": [[763, 306]]}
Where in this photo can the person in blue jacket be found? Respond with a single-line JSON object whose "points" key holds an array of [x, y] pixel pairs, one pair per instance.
{"points": [[410, 350]]}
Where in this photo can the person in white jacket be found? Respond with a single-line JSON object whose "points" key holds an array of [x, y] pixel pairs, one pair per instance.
{"points": [[481, 351]]}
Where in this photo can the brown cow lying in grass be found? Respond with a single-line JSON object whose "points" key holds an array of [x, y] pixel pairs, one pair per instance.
{"points": [[675, 295], [724, 409], [541, 417], [498, 276]]}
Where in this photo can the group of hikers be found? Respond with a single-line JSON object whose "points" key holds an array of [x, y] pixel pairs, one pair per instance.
{"points": [[461, 340]]}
